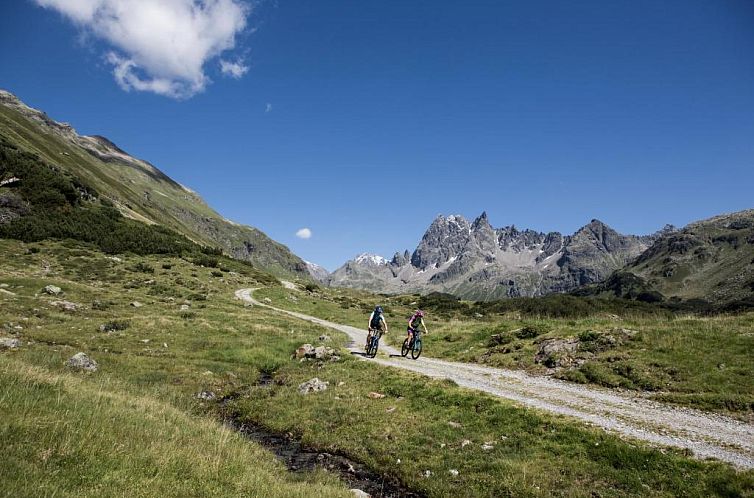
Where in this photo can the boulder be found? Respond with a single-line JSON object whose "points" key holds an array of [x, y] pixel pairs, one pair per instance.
{"points": [[136, 304], [375, 395], [305, 351], [324, 353], [359, 493], [53, 290], [312, 386], [556, 352], [80, 361], [9, 343], [65, 305]]}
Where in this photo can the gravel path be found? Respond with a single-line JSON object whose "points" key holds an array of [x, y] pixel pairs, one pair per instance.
{"points": [[706, 435]]}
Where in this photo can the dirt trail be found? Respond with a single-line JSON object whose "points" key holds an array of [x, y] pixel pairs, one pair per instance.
{"points": [[706, 435]]}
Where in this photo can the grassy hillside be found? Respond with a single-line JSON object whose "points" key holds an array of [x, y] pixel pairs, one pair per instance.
{"points": [[137, 424], [138, 189]]}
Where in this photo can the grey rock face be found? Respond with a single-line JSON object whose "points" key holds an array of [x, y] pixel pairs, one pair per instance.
{"points": [[477, 261], [445, 238], [81, 361]]}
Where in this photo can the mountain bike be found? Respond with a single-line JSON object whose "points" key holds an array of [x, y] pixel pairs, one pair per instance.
{"points": [[414, 345], [373, 344]]}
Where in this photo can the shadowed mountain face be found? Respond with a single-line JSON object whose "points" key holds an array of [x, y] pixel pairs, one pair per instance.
{"points": [[475, 260], [137, 188]]}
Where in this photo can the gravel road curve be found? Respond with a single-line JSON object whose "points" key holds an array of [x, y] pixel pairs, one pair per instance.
{"points": [[706, 435]]}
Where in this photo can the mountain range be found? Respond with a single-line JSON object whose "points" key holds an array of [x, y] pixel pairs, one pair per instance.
{"points": [[476, 261], [710, 260], [137, 188]]}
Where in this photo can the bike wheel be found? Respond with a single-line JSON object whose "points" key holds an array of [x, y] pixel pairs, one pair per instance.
{"points": [[406, 346], [416, 351], [373, 344]]}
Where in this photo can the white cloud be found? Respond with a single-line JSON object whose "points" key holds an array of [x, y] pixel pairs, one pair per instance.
{"points": [[161, 46], [233, 69], [304, 233], [268, 107]]}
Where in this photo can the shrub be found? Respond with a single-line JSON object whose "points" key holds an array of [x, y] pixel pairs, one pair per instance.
{"points": [[532, 330], [166, 266], [216, 273], [141, 267]]}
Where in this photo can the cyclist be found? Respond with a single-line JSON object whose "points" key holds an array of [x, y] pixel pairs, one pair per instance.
{"points": [[416, 321], [377, 323]]}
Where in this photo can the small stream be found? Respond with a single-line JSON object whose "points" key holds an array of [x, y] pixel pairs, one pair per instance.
{"points": [[299, 458]]}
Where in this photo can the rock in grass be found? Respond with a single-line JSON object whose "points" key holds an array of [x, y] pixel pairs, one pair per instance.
{"points": [[136, 304], [312, 386], [359, 493], [53, 290], [10, 343], [305, 351], [324, 338], [81, 361], [206, 395], [375, 395], [65, 305]]}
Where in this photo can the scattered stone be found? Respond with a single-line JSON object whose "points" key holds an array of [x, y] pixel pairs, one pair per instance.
{"points": [[427, 473], [267, 300], [454, 425], [453, 472], [206, 395], [324, 338], [9, 343], [185, 307], [359, 493], [465, 443], [488, 445], [81, 361], [312, 386], [4, 286], [390, 410], [145, 341], [165, 345], [53, 290], [136, 304], [341, 383], [442, 445], [478, 315], [375, 395], [65, 305], [114, 258], [7, 292], [309, 352]]}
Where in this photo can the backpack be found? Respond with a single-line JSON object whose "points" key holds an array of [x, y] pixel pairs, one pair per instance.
{"points": [[375, 323]]}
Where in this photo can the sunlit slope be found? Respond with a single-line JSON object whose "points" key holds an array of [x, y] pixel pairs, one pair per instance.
{"points": [[137, 188]]}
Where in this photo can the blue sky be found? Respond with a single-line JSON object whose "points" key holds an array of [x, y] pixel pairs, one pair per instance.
{"points": [[364, 120]]}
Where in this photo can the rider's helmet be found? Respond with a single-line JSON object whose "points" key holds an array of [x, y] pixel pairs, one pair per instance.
{"points": [[419, 313], [378, 310]]}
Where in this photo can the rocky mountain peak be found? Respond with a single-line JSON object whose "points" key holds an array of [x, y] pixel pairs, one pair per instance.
{"points": [[445, 238]]}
